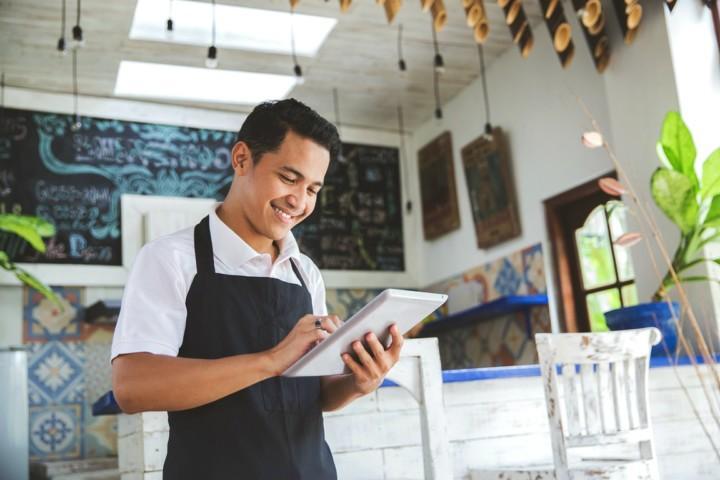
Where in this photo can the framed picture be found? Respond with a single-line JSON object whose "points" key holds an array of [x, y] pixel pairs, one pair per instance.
{"points": [[437, 187], [491, 189]]}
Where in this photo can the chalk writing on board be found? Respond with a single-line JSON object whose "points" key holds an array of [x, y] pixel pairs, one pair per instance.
{"points": [[75, 180]]}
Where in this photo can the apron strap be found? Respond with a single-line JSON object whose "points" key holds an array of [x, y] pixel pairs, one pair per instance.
{"points": [[203, 247], [297, 273]]}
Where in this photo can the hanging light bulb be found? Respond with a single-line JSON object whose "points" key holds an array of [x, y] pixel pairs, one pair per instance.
{"points": [[77, 32], [297, 69], [169, 23], [299, 79], [401, 61], [61, 46], [211, 61], [438, 62], [436, 86]]}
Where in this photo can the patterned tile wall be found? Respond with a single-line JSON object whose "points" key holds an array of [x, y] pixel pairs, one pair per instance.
{"points": [[507, 339], [68, 370]]}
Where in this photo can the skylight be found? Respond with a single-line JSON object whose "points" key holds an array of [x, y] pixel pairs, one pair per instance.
{"points": [[154, 80], [236, 27]]}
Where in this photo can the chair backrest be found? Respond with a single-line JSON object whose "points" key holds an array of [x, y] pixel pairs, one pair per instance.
{"points": [[603, 379]]}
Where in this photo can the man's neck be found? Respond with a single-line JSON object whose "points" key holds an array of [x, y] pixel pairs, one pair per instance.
{"points": [[236, 221]]}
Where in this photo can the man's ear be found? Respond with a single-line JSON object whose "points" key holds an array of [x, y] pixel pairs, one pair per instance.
{"points": [[241, 158]]}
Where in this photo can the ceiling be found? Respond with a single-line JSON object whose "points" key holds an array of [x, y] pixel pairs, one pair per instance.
{"points": [[359, 58]]}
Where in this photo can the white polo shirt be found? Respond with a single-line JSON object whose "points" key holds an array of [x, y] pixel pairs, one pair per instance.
{"points": [[152, 315]]}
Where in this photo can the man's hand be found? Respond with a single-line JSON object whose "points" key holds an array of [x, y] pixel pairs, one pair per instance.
{"points": [[373, 365], [304, 335]]}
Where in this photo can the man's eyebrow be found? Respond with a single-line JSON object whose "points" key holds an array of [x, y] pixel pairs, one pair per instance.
{"points": [[299, 175]]}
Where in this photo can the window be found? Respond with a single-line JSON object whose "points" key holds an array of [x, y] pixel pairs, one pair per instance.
{"points": [[592, 274]]}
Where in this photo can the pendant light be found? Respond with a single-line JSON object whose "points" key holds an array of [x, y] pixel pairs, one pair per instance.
{"points": [[61, 46], [438, 62], [297, 70], [403, 159], [212, 61], [401, 61], [77, 32], [169, 25]]}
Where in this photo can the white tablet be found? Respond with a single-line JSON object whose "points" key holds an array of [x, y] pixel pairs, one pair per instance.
{"points": [[405, 308]]}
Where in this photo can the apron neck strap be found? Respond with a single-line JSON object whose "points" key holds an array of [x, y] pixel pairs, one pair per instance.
{"points": [[203, 247], [297, 273]]}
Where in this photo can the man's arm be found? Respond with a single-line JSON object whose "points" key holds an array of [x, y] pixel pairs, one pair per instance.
{"points": [[150, 382], [367, 374]]}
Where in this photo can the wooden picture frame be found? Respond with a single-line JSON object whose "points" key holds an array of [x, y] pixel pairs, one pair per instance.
{"points": [[491, 188], [437, 187]]}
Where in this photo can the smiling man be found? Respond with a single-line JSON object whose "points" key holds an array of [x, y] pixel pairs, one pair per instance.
{"points": [[213, 314]]}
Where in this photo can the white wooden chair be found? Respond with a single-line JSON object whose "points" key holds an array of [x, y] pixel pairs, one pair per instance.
{"points": [[596, 392]]}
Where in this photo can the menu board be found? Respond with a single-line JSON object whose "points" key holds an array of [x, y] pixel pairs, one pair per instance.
{"points": [[74, 179], [357, 224]]}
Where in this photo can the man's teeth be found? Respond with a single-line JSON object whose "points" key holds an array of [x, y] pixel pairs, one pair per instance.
{"points": [[282, 214]]}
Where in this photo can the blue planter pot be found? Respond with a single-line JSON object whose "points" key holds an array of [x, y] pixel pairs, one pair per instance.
{"points": [[654, 314]]}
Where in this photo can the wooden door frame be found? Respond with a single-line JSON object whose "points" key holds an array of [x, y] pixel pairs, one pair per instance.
{"points": [[563, 252]]}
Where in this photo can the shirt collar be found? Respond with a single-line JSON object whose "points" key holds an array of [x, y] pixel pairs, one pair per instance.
{"points": [[233, 251]]}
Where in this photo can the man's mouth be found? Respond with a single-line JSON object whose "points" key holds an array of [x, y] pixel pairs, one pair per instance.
{"points": [[283, 215]]}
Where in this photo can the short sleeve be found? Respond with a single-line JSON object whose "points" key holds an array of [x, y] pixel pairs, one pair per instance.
{"points": [[152, 313]]}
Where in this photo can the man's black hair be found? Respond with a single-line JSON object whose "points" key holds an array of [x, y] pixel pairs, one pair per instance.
{"points": [[267, 125]]}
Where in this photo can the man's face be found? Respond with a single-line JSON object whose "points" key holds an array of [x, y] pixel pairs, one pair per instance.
{"points": [[280, 190]]}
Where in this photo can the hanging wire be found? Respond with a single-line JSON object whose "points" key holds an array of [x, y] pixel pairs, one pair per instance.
{"points": [[488, 125], [76, 116], [436, 85], [336, 107], [2, 91], [213, 22], [61, 41], [438, 61], [404, 159], [296, 67], [401, 61]]}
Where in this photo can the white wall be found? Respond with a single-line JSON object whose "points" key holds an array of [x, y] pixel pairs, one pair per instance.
{"points": [[696, 62], [534, 102]]}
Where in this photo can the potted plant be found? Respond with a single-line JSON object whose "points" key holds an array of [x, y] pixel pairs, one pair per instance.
{"points": [[13, 360], [693, 205], [32, 230]]}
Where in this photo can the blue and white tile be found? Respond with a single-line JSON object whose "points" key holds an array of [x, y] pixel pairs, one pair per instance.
{"points": [[99, 434], [508, 279], [43, 320], [534, 269], [55, 432], [56, 373]]}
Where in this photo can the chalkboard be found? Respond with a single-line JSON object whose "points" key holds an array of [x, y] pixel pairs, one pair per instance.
{"points": [[75, 178], [357, 224]]}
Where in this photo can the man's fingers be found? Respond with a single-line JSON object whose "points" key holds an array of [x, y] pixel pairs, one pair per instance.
{"points": [[352, 364], [365, 359], [397, 341]]}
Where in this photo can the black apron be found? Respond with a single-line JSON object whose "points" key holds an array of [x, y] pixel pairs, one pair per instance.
{"points": [[270, 430]]}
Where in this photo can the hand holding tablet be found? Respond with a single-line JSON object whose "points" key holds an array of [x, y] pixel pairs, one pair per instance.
{"points": [[405, 308]]}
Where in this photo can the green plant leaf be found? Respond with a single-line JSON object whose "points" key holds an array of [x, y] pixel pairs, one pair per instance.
{"points": [[711, 175], [678, 145], [30, 229], [5, 261], [699, 278], [713, 217], [31, 281], [675, 196]]}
